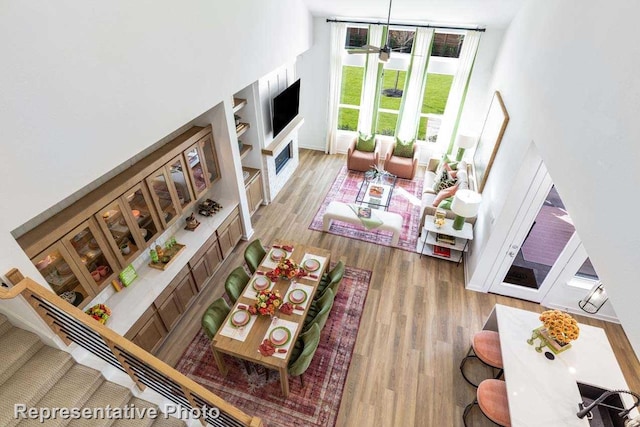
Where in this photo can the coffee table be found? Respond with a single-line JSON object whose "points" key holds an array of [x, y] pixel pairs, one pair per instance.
{"points": [[377, 192]]}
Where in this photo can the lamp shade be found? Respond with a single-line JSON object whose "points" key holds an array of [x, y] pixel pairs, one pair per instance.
{"points": [[466, 203], [465, 141], [595, 300]]}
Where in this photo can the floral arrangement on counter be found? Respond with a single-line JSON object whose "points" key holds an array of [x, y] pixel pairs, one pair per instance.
{"points": [[100, 312], [286, 269], [267, 304], [560, 326]]}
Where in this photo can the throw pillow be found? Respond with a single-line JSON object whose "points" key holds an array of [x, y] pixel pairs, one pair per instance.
{"points": [[366, 143], [443, 180], [443, 194], [446, 203], [403, 148]]}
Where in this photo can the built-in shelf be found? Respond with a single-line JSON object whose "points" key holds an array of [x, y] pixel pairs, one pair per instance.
{"points": [[241, 128], [283, 138], [244, 150], [238, 103], [252, 172]]}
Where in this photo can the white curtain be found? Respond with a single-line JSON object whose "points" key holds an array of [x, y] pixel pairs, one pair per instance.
{"points": [[368, 107], [458, 92], [338, 37], [414, 87]]}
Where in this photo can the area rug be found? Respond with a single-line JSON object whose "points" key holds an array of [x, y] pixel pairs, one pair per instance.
{"points": [[405, 201], [548, 237], [318, 402]]}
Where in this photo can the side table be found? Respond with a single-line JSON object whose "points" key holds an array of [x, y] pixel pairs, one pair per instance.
{"points": [[444, 242]]}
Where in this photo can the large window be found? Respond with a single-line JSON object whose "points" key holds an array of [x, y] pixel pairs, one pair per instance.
{"points": [[390, 99], [349, 109], [435, 99]]}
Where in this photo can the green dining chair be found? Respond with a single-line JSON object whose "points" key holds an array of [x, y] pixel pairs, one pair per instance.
{"points": [[316, 306], [299, 363], [254, 254], [214, 317], [334, 276], [235, 283], [320, 318]]}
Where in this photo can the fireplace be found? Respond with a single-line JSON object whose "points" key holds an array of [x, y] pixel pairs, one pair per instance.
{"points": [[282, 158]]}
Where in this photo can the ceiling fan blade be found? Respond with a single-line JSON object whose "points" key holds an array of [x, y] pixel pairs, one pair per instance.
{"points": [[371, 47], [368, 49]]}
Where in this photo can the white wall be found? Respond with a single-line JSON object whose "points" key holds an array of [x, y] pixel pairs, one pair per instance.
{"points": [[556, 75], [314, 72], [88, 85]]}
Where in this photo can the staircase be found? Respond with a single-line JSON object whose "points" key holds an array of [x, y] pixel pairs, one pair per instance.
{"points": [[39, 376]]}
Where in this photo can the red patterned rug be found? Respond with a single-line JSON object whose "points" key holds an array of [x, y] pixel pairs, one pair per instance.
{"points": [[405, 201], [318, 402]]}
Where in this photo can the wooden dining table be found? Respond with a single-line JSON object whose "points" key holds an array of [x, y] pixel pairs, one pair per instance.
{"points": [[248, 349]]}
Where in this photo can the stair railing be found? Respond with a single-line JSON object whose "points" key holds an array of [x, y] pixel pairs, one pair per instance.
{"points": [[72, 325]]}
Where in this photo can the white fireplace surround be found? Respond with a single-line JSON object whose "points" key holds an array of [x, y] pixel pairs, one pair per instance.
{"points": [[275, 182]]}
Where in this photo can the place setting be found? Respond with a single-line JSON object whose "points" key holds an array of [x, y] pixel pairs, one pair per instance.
{"points": [[313, 265], [257, 283], [239, 324], [278, 338], [298, 295], [277, 254]]}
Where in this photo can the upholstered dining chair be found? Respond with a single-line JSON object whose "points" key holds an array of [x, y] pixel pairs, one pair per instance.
{"points": [[235, 283], [213, 318], [301, 357], [330, 279], [320, 318], [316, 306], [254, 254], [362, 160], [402, 167]]}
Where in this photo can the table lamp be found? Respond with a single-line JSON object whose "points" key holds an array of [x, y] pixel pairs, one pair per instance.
{"points": [[466, 204], [595, 300], [463, 142]]}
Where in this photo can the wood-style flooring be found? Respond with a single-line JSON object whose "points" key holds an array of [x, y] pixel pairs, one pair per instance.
{"points": [[417, 319]]}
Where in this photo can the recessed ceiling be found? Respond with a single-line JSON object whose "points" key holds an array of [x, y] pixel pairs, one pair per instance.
{"points": [[488, 13]]}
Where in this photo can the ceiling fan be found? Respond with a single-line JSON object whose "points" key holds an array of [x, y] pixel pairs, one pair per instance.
{"points": [[384, 51]]}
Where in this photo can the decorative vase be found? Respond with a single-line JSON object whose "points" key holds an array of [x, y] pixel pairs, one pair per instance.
{"points": [[546, 340]]}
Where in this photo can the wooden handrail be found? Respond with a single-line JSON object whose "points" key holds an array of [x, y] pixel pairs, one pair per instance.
{"points": [[28, 288]]}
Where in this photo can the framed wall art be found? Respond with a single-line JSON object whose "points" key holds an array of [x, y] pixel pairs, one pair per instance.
{"points": [[493, 129]]}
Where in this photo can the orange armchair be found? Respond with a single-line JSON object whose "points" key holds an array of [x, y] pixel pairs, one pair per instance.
{"points": [[403, 167], [362, 160]]}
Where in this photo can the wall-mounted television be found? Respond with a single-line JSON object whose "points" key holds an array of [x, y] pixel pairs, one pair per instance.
{"points": [[285, 107]]}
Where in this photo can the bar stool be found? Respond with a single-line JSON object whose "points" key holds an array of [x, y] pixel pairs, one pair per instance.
{"points": [[493, 401], [485, 346]]}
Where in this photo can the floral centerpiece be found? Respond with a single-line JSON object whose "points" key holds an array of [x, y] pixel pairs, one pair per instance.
{"points": [[267, 304], [557, 331], [100, 312], [286, 269]]}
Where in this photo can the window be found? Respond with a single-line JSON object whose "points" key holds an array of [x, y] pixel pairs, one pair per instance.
{"points": [[447, 45], [356, 37], [350, 94], [390, 99], [434, 102]]}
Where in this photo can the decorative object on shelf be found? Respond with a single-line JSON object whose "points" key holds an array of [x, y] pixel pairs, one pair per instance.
{"points": [[267, 304], [128, 275], [595, 300], [117, 285], [466, 204], [209, 207], [125, 249], [237, 119], [167, 257], [557, 331], [154, 255], [100, 312], [439, 217], [464, 142], [286, 269], [192, 223]]}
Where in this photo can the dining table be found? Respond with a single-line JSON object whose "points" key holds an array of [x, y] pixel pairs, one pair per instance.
{"points": [[244, 341]]}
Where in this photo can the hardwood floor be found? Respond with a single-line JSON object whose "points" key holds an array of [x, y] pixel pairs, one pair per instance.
{"points": [[416, 324]]}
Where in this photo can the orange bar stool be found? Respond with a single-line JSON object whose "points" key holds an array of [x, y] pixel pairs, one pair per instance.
{"points": [[493, 401], [485, 346]]}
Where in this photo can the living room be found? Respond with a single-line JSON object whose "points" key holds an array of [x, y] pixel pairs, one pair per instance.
{"points": [[90, 116]]}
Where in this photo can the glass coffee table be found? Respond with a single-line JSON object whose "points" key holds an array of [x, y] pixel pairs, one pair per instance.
{"points": [[376, 192]]}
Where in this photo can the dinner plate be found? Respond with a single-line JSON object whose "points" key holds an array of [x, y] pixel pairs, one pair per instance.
{"points": [[311, 264], [260, 283], [280, 336], [240, 318], [297, 296], [278, 254]]}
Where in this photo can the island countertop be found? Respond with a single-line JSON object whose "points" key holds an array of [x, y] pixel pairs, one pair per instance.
{"points": [[544, 392]]}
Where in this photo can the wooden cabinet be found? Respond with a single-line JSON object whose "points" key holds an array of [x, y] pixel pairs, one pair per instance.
{"points": [[205, 262], [140, 206], [229, 233], [149, 331], [186, 290], [253, 187], [170, 310], [177, 170], [200, 272], [196, 168], [121, 231], [210, 158], [164, 196]]}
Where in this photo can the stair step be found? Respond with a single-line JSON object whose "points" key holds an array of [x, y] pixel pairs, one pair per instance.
{"points": [[5, 325], [16, 347], [32, 381], [71, 391], [108, 393], [136, 422], [161, 421]]}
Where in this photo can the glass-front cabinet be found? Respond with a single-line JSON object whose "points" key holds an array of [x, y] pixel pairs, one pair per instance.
{"points": [[63, 275], [210, 158], [197, 169], [121, 231], [163, 196], [90, 251], [178, 174], [141, 209]]}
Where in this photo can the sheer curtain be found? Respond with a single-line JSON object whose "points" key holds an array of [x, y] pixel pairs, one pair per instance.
{"points": [[453, 110], [409, 116], [338, 37], [370, 86]]}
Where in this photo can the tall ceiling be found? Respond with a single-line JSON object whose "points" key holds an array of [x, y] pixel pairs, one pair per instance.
{"points": [[489, 13]]}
